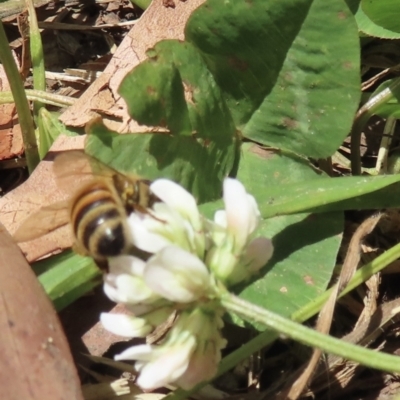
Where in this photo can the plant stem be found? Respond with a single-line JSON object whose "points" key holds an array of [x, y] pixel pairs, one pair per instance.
{"points": [[38, 70], [310, 337], [44, 97], [21, 102], [363, 115]]}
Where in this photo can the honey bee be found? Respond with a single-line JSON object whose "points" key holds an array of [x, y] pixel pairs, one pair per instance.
{"points": [[97, 211]]}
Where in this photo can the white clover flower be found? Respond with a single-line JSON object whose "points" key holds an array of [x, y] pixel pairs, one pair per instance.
{"points": [[236, 256], [159, 365], [241, 215], [177, 275], [258, 253], [125, 325], [179, 199], [134, 326], [191, 258], [176, 220], [189, 355], [125, 282], [204, 361]]}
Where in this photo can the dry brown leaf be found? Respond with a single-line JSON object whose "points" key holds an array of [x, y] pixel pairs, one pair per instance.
{"points": [[157, 23], [10, 132], [36, 361], [38, 191], [98, 340]]}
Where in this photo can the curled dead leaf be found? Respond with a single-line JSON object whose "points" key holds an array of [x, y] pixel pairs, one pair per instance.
{"points": [[35, 359]]}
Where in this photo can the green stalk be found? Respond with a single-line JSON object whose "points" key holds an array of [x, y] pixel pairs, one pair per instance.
{"points": [[21, 102], [38, 95], [363, 115], [38, 71], [37, 56], [311, 337]]}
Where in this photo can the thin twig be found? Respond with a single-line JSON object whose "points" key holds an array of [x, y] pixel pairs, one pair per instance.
{"points": [[77, 27]]}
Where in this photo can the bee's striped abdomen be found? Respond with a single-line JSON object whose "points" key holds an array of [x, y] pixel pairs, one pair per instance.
{"points": [[98, 221]]}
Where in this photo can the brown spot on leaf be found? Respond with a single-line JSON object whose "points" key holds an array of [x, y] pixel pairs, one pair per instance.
{"points": [[189, 89], [261, 152], [341, 15], [348, 65], [283, 289], [290, 123], [238, 64], [206, 143], [288, 76], [150, 90], [308, 280]]}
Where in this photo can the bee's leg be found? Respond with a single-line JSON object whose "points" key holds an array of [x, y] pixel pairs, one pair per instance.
{"points": [[102, 265], [141, 209], [144, 210], [146, 197], [134, 251], [79, 249]]}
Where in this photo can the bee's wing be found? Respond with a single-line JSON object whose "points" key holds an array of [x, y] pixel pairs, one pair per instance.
{"points": [[74, 168], [46, 220]]}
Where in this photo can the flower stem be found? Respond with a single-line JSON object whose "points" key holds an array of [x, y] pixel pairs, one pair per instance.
{"points": [[310, 337]]}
